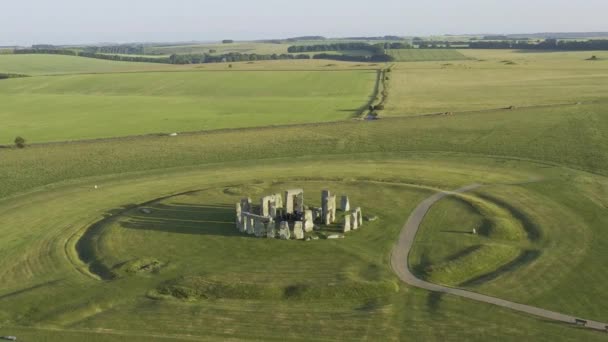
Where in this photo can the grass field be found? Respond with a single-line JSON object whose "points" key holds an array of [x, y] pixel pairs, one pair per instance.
{"points": [[540, 216], [420, 55], [491, 81], [240, 47], [58, 64], [37, 107]]}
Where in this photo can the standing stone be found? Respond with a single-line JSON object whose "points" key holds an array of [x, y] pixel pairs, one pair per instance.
{"points": [[239, 217], [344, 203], [264, 206], [278, 200], [324, 203], [246, 204], [272, 210], [327, 219], [308, 221], [298, 230], [259, 228], [346, 223], [354, 221], [284, 233], [291, 200], [300, 203], [251, 226], [332, 208], [359, 216], [271, 230]]}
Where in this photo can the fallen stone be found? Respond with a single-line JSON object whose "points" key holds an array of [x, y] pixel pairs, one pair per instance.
{"points": [[371, 218], [335, 236], [145, 210]]}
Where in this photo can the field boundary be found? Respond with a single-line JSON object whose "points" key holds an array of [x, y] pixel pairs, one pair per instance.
{"points": [[308, 124]]}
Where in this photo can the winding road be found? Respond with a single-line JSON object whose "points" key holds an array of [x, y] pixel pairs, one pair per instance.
{"points": [[399, 263]]}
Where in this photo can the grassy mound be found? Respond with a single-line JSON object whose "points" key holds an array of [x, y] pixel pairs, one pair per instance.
{"points": [[203, 288], [472, 263]]}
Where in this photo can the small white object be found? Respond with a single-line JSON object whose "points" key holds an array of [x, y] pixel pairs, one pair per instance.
{"points": [[173, 134], [96, 186], [474, 231]]}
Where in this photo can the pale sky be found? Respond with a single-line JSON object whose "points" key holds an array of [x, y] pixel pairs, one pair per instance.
{"points": [[25, 22]]}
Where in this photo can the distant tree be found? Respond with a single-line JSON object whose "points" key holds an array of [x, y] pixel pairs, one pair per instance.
{"points": [[227, 41], [212, 50], [230, 66], [20, 142]]}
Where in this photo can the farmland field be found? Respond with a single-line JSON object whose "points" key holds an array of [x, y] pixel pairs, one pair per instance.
{"points": [[37, 107], [76, 244], [497, 79], [420, 55]]}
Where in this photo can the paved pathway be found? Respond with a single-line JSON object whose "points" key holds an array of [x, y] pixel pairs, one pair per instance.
{"points": [[402, 249]]}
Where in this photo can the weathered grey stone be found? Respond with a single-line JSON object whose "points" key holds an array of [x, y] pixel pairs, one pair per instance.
{"points": [[335, 236], [239, 217], [246, 205], [264, 205], [298, 230], [250, 225], [278, 200], [359, 216], [315, 237], [272, 210], [324, 203], [271, 230], [346, 227], [259, 228], [294, 200], [344, 203], [284, 232], [327, 219], [332, 208], [308, 221], [354, 221], [300, 203], [145, 210]]}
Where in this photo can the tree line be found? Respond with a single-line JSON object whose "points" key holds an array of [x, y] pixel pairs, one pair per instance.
{"points": [[548, 44], [376, 49]]}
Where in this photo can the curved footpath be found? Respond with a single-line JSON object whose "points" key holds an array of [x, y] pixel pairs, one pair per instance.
{"points": [[399, 263]]}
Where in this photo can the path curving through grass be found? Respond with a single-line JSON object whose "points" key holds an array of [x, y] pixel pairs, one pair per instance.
{"points": [[399, 264]]}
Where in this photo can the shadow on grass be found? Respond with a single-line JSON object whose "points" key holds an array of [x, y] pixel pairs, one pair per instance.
{"points": [[524, 258], [86, 247], [433, 301], [182, 218], [532, 230]]}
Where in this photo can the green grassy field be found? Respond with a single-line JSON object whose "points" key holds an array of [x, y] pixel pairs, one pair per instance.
{"points": [[58, 64], [419, 55], [110, 105], [540, 217], [240, 47], [491, 81]]}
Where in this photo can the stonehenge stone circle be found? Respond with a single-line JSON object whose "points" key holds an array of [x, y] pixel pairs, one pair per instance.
{"points": [[288, 209]]}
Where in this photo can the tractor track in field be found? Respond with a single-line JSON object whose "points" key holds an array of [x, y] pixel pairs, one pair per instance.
{"points": [[399, 264]]}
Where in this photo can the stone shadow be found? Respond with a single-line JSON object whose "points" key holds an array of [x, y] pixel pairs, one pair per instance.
{"points": [[184, 218]]}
